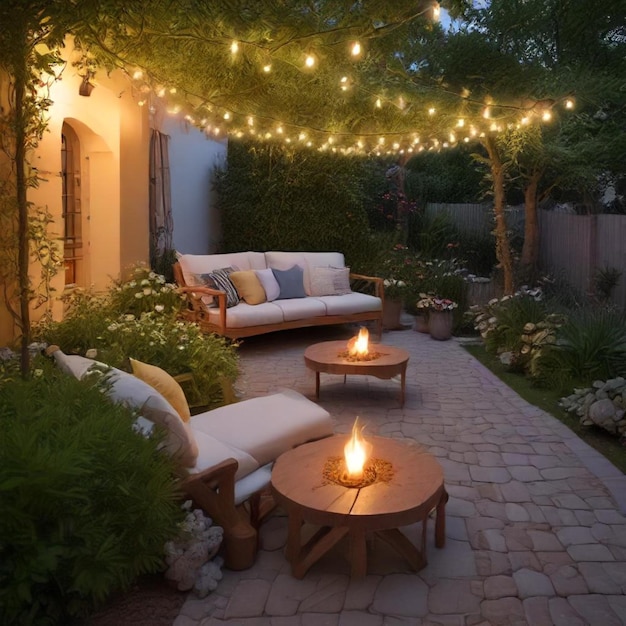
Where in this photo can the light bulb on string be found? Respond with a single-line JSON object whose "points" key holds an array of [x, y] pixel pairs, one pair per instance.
{"points": [[378, 104], [436, 11], [234, 47], [569, 103], [309, 61], [546, 116], [460, 122], [267, 68], [137, 74], [432, 111], [356, 49]]}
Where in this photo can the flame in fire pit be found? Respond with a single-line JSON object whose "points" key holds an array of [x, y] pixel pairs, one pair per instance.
{"points": [[356, 452], [358, 346]]}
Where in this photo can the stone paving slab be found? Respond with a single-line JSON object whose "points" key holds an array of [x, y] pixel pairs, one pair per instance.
{"points": [[536, 528]]}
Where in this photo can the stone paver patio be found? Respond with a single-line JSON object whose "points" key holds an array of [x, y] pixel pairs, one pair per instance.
{"points": [[536, 522]]}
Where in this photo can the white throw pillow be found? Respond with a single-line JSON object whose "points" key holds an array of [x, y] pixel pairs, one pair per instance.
{"points": [[269, 282], [330, 281], [134, 393]]}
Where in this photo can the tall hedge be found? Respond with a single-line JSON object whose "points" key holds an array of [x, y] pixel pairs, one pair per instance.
{"points": [[270, 198]]}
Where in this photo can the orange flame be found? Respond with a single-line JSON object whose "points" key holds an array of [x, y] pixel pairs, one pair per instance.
{"points": [[356, 452], [359, 345]]}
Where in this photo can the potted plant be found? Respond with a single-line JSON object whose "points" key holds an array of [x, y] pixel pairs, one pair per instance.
{"points": [[439, 311], [395, 271]]}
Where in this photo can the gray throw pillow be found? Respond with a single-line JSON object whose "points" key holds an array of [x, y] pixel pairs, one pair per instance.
{"points": [[291, 282]]}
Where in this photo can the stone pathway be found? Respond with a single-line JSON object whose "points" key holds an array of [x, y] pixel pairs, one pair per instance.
{"points": [[536, 525]]}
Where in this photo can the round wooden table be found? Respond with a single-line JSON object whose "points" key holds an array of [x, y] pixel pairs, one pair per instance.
{"points": [[415, 489], [325, 357]]}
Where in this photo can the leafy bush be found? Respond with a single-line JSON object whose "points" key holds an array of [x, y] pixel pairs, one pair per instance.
{"points": [[270, 198], [87, 503], [478, 253], [591, 345], [432, 236]]}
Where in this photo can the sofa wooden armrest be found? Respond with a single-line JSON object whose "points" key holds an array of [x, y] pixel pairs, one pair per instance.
{"points": [[213, 490], [378, 284]]}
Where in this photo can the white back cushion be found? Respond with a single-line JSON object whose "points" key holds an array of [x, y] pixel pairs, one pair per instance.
{"points": [[192, 264]]}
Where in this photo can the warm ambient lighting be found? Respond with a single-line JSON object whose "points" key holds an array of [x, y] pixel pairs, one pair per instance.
{"points": [[359, 345], [355, 452]]}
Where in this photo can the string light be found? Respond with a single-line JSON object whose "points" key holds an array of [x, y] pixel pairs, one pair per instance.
{"points": [[234, 47], [267, 68], [402, 141], [356, 49], [436, 11]]}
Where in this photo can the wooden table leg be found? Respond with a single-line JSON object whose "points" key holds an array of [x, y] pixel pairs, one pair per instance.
{"points": [[358, 554], [294, 525], [403, 546], [316, 548], [317, 385], [440, 521]]}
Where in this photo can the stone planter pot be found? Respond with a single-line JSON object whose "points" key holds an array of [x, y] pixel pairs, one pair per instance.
{"points": [[392, 310], [440, 324], [421, 323]]}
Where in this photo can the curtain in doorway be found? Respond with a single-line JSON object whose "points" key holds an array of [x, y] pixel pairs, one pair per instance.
{"points": [[161, 222]]}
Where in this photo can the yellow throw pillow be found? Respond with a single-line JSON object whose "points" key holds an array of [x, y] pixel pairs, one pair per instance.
{"points": [[160, 380], [248, 286]]}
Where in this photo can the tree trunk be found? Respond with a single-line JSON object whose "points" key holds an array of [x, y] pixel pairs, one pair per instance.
{"points": [[20, 122], [530, 250], [503, 249]]}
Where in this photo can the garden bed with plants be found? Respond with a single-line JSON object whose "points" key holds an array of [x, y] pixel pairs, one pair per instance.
{"points": [[89, 504], [567, 357]]}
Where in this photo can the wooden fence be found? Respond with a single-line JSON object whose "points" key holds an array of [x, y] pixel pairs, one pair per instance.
{"points": [[571, 246]]}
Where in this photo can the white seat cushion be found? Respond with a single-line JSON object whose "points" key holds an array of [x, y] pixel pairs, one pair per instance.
{"points": [[300, 308], [243, 315], [211, 452], [252, 483], [266, 427], [350, 303]]}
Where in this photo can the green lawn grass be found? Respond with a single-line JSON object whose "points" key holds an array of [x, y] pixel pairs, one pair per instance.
{"points": [[547, 399]]}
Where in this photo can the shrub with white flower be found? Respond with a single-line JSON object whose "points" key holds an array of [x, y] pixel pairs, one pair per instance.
{"points": [[144, 292]]}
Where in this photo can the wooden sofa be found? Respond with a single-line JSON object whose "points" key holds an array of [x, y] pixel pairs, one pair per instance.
{"points": [[208, 306], [225, 454]]}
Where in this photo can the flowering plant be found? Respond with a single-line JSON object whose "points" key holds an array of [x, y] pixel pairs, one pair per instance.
{"points": [[396, 270], [431, 302], [145, 291]]}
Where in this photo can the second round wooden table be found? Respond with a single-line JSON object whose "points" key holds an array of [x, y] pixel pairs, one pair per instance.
{"points": [[415, 489], [325, 357]]}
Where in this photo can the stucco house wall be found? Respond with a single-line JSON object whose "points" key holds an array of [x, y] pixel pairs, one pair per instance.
{"points": [[113, 130]]}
